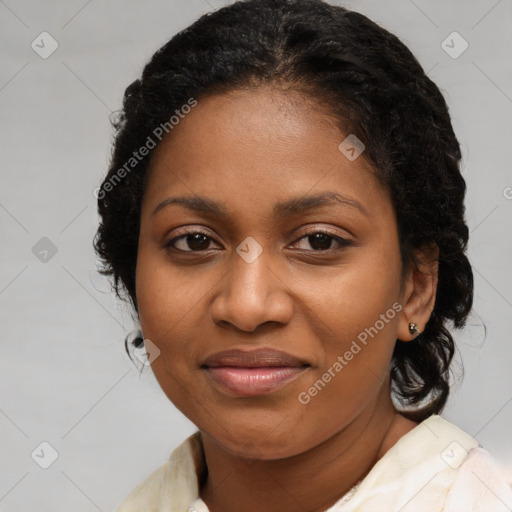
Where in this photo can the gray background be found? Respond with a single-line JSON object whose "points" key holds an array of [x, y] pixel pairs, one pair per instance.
{"points": [[64, 376]]}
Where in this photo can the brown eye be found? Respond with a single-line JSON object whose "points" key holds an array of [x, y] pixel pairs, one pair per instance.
{"points": [[190, 242], [320, 241]]}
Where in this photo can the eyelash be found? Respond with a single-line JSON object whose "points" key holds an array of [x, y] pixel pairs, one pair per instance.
{"points": [[342, 242]]}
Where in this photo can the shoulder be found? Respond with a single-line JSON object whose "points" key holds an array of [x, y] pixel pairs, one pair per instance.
{"points": [[479, 485], [147, 495], [419, 471], [435, 440], [172, 486]]}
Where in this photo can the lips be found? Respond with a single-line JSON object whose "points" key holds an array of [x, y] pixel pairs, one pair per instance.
{"points": [[253, 372]]}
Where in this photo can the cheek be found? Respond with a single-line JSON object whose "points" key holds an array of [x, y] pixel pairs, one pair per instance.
{"points": [[165, 305], [355, 313], [172, 310], [165, 297], [357, 348], [352, 297]]}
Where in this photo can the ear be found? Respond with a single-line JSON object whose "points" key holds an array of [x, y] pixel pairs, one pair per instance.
{"points": [[419, 291]]}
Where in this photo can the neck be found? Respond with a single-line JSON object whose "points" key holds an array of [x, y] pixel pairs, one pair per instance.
{"points": [[313, 480]]}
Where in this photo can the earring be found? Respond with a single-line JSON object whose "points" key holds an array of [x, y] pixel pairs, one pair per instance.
{"points": [[413, 328]]}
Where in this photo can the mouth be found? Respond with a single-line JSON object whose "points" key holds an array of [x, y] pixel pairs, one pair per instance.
{"points": [[254, 372]]}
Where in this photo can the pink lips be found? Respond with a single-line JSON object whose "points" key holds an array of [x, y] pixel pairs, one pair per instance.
{"points": [[255, 372]]}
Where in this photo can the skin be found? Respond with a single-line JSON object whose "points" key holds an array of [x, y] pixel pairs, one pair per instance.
{"points": [[249, 150]]}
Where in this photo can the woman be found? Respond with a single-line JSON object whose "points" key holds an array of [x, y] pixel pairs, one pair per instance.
{"points": [[284, 209]]}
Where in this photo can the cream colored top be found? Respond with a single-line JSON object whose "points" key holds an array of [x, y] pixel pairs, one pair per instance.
{"points": [[435, 467]]}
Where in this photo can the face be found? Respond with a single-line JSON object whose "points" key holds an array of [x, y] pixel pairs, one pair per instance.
{"points": [[259, 237]]}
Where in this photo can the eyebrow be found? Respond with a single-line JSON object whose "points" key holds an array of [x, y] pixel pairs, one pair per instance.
{"points": [[282, 209]]}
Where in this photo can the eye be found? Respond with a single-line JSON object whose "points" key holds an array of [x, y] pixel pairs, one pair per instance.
{"points": [[316, 241], [190, 241], [322, 241]]}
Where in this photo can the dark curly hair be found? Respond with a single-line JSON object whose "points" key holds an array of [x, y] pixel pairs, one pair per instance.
{"points": [[374, 87]]}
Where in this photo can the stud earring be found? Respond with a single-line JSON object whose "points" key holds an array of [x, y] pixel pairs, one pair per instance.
{"points": [[413, 328]]}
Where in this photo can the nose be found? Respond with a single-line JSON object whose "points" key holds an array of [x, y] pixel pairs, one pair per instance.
{"points": [[252, 294]]}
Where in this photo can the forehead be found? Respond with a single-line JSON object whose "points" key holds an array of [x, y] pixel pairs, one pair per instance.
{"points": [[256, 147]]}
